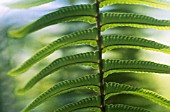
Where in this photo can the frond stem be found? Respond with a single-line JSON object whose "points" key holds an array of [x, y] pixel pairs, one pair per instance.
{"points": [[99, 42]]}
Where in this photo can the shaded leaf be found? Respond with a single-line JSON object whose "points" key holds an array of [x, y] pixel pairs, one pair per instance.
{"points": [[63, 14], [85, 103], [112, 20], [63, 87], [89, 57], [112, 66], [165, 4], [80, 37], [121, 41], [113, 88], [124, 108]]}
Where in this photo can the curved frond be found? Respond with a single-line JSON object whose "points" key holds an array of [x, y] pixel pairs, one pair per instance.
{"points": [[124, 108], [85, 103], [152, 3], [112, 20], [88, 35], [61, 15], [26, 3], [63, 87], [89, 57], [111, 66], [113, 88], [121, 41]]}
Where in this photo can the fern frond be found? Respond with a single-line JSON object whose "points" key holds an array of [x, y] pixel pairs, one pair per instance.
{"points": [[111, 66], [121, 41], [112, 19], [89, 57], [85, 103], [88, 35], [124, 108], [113, 88], [61, 15], [152, 3], [26, 3], [63, 87]]}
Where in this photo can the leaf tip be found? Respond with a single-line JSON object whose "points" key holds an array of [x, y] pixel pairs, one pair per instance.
{"points": [[20, 91], [166, 50], [15, 72], [12, 72], [15, 34]]}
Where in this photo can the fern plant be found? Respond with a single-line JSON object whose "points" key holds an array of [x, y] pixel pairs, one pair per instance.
{"points": [[101, 21]]}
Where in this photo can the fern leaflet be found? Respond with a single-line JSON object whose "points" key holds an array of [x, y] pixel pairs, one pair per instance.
{"points": [[153, 3], [63, 87], [112, 20], [67, 40], [124, 108], [131, 18], [113, 88], [121, 41], [54, 18], [89, 57], [111, 66], [85, 103]]}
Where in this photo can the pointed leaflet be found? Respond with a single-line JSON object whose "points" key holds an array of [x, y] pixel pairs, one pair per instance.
{"points": [[111, 66], [113, 88], [113, 19], [26, 3], [63, 87], [88, 35], [153, 3], [63, 14], [124, 108], [85, 103], [89, 57], [121, 41]]}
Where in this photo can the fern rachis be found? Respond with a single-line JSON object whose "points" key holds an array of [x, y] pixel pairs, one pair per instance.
{"points": [[104, 20]]}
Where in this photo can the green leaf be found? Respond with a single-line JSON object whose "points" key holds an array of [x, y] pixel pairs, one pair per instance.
{"points": [[121, 41], [80, 37], [87, 19], [63, 14], [124, 108], [94, 109], [89, 57], [153, 3], [113, 88], [111, 66], [88, 109], [85, 103], [112, 20], [63, 87], [26, 3]]}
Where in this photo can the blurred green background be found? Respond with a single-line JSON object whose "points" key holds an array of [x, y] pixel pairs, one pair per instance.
{"points": [[15, 51]]}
